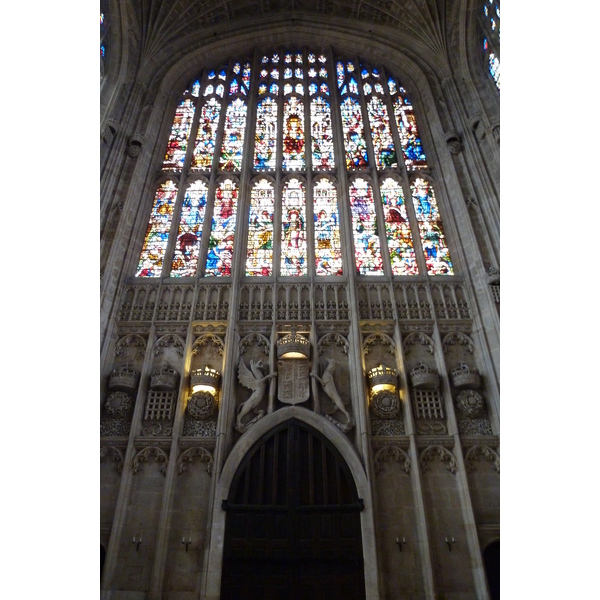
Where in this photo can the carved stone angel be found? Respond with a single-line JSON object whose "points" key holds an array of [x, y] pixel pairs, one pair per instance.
{"points": [[254, 380]]}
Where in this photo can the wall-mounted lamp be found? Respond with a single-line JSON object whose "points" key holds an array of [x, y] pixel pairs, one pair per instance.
{"points": [[293, 345], [137, 542], [186, 542], [400, 542], [382, 378], [450, 541], [205, 380]]}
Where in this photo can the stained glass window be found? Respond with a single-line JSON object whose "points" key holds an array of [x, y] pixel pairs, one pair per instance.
{"points": [[220, 245], [293, 135], [397, 229], [293, 229], [491, 41], [414, 157], [259, 256], [206, 136], [233, 137], [178, 140], [436, 252], [215, 195], [157, 234], [328, 247], [265, 138], [354, 137], [367, 249], [187, 246], [383, 144], [322, 135]]}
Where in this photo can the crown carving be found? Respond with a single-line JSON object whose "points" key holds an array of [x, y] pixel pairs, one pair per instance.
{"points": [[164, 379], [293, 343], [205, 376], [424, 377], [465, 376], [382, 376], [124, 379]]}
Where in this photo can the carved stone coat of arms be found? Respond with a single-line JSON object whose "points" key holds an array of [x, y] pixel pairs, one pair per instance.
{"points": [[294, 381]]}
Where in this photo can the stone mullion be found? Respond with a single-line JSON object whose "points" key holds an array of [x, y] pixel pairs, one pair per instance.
{"points": [[123, 498], [166, 510]]}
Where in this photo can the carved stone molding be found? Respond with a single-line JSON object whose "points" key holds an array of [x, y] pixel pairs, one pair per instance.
{"points": [[476, 453], [379, 339], [210, 340], [457, 337], [134, 147], [159, 455], [385, 404], [391, 453], [114, 454], [493, 276], [412, 339], [169, 341], [470, 403], [118, 404], [437, 452], [191, 454], [454, 143], [131, 341], [202, 406], [156, 429], [333, 339]]}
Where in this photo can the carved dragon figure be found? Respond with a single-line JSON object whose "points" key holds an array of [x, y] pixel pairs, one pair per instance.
{"points": [[329, 387], [256, 382]]}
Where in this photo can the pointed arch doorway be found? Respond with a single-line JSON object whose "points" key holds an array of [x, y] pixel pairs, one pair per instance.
{"points": [[293, 522]]}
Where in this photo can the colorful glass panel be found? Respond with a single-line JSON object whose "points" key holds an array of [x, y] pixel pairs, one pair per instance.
{"points": [[437, 256], [220, 244], [414, 157], [383, 144], [397, 229], [265, 138], [322, 135], [196, 88], [328, 246], [312, 89], [187, 247], [178, 141], [233, 137], [293, 135], [311, 58], [293, 229], [274, 89], [157, 234], [287, 89], [354, 137], [259, 256], [209, 90], [322, 58], [287, 73], [299, 89], [206, 136], [220, 90], [312, 72], [298, 58], [495, 68], [353, 86], [339, 70], [234, 87], [246, 75], [367, 249]]}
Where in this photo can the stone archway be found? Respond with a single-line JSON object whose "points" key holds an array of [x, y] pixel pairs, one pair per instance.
{"points": [[293, 521]]}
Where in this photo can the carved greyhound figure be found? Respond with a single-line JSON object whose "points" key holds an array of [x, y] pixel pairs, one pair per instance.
{"points": [[253, 380], [329, 387]]}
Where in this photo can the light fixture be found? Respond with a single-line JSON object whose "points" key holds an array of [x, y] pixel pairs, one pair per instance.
{"points": [[400, 542], [293, 345], [450, 541], [137, 542], [382, 378], [205, 380], [186, 542]]}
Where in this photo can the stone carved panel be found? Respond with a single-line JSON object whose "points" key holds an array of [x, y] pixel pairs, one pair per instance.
{"points": [[391, 453], [293, 386], [375, 301], [196, 453], [159, 455], [331, 302], [213, 303], [474, 455], [387, 427], [114, 454], [412, 301], [256, 302], [440, 453]]}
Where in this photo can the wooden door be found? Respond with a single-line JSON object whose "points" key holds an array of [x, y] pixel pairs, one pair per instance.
{"points": [[293, 522]]}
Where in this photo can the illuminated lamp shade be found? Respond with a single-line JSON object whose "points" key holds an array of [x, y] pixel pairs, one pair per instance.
{"points": [[205, 380], [382, 378], [293, 345]]}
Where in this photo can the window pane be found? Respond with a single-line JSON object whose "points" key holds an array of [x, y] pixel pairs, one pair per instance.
{"points": [[259, 256], [293, 229]]}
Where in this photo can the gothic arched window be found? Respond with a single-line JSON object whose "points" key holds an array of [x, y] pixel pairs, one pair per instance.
{"points": [[288, 138], [490, 19]]}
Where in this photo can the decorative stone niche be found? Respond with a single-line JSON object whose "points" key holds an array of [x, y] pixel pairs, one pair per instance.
{"points": [[379, 353], [205, 381], [123, 383]]}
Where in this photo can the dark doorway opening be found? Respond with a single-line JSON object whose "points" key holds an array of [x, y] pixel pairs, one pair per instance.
{"points": [[491, 559], [293, 522]]}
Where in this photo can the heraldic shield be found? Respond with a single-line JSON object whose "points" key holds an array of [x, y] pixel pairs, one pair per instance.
{"points": [[293, 381]]}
